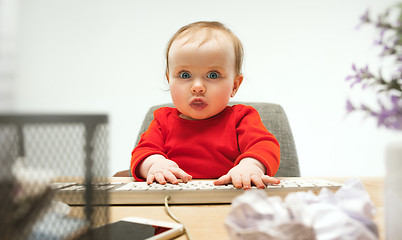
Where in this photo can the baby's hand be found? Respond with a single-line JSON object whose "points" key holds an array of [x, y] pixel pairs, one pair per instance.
{"points": [[248, 171], [163, 170]]}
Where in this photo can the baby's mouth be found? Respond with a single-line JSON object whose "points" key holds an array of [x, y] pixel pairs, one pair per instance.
{"points": [[198, 104]]}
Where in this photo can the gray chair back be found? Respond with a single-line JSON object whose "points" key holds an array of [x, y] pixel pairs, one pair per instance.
{"points": [[275, 120]]}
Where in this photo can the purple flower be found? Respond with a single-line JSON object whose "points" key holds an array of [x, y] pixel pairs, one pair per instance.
{"points": [[365, 18], [398, 122], [365, 85], [380, 40], [350, 77], [357, 80], [349, 106], [389, 115], [361, 74], [395, 100]]}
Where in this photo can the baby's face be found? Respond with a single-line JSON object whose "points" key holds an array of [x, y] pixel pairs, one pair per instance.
{"points": [[202, 78]]}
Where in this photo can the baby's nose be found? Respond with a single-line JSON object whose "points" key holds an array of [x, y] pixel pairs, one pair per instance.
{"points": [[198, 87]]}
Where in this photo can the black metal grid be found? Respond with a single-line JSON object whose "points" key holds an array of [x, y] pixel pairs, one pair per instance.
{"points": [[36, 150]]}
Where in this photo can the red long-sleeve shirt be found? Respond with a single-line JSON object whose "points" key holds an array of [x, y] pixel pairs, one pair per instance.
{"points": [[208, 148]]}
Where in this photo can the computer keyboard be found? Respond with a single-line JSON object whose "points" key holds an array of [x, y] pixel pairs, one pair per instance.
{"points": [[193, 192]]}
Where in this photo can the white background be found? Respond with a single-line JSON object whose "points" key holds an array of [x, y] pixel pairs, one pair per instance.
{"points": [[107, 56]]}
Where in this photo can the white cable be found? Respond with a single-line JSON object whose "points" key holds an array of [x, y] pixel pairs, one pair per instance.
{"points": [[167, 198]]}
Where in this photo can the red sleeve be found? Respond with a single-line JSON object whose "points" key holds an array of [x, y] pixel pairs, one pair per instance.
{"points": [[255, 140], [151, 142]]}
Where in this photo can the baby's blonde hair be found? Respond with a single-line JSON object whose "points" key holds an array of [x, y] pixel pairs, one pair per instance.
{"points": [[211, 27]]}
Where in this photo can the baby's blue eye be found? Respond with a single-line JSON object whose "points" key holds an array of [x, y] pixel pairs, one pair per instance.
{"points": [[185, 75], [213, 75]]}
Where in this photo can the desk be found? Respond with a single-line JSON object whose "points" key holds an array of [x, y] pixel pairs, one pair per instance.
{"points": [[207, 221]]}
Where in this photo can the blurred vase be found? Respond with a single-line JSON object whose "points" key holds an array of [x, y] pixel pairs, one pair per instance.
{"points": [[393, 191]]}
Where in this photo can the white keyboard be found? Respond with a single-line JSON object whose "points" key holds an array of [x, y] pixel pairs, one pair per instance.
{"points": [[193, 192]]}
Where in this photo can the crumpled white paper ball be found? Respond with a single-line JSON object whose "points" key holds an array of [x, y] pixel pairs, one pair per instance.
{"points": [[346, 214]]}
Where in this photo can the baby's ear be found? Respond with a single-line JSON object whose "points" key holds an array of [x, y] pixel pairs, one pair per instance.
{"points": [[237, 82]]}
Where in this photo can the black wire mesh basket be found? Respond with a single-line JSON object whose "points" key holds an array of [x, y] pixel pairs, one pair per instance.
{"points": [[38, 155]]}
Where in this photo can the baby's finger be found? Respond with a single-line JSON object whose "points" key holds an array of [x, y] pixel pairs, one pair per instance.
{"points": [[246, 182], [237, 181], [225, 179], [170, 177], [257, 181], [178, 172], [160, 178], [150, 178], [269, 180]]}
